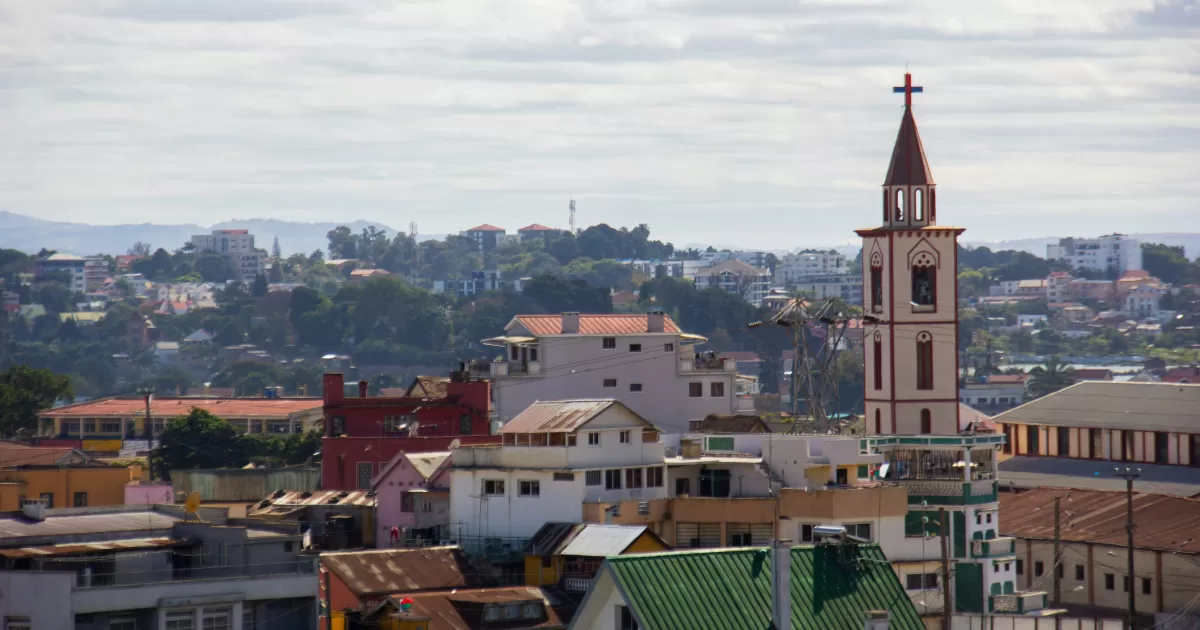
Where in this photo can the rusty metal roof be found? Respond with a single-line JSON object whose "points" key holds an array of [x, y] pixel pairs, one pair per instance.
{"points": [[1113, 404], [14, 527], [1098, 516], [560, 416], [290, 501], [624, 324], [463, 609], [279, 408], [390, 571], [428, 387], [73, 549], [584, 539]]}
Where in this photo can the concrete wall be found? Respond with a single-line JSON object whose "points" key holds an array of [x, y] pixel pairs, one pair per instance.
{"points": [[149, 493], [599, 611], [43, 597], [102, 485]]}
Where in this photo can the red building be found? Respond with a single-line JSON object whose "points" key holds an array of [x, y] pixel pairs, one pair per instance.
{"points": [[363, 433]]}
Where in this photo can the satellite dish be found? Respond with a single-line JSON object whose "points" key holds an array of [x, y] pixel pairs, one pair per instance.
{"points": [[193, 502]]}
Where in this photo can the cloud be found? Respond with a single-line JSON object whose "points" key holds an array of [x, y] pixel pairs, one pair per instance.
{"points": [[761, 123]]}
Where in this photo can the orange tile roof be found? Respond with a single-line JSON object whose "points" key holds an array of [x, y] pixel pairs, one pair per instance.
{"points": [[594, 324], [536, 227], [21, 455], [173, 407], [486, 227]]}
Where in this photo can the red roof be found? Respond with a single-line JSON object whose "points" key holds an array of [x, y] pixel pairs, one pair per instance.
{"points": [[175, 407], [1192, 371], [631, 324], [536, 227], [998, 379], [1093, 374], [21, 455], [486, 227], [909, 166], [1059, 274]]}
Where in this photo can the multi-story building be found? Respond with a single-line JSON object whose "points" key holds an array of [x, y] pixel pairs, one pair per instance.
{"points": [[134, 567], [555, 456], [642, 360], [911, 367], [846, 287], [752, 258], [810, 262], [536, 230], [82, 274], [480, 281], [413, 495], [238, 247], [734, 276], [1112, 251], [363, 433], [998, 392], [488, 236], [1058, 286]]}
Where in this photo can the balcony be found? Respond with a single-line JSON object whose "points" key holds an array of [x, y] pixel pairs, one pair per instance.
{"points": [[1018, 603], [689, 364], [992, 548], [950, 492], [135, 590], [501, 369]]}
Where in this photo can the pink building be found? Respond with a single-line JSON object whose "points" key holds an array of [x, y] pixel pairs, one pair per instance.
{"points": [[412, 495], [141, 493]]}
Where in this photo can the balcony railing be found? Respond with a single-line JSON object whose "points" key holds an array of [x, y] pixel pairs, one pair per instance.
{"points": [[1018, 603], [86, 580], [932, 487], [581, 584], [992, 548]]}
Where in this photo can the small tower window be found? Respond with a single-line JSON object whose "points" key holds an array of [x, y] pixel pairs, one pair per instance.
{"points": [[878, 423], [924, 361], [924, 281], [877, 366], [876, 283], [885, 207], [918, 208], [926, 422], [932, 204], [899, 205]]}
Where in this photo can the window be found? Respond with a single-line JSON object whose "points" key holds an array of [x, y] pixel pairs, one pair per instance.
{"points": [[561, 476], [279, 427], [899, 205], [920, 581], [716, 390], [1079, 572], [861, 530], [1038, 568], [248, 618], [89, 425], [594, 438], [683, 487], [426, 506], [635, 387], [877, 362], [464, 424], [80, 499], [695, 390], [625, 620], [406, 502], [1020, 567], [610, 382], [1125, 583], [918, 209], [48, 499], [612, 480], [626, 437], [1160, 447], [989, 518], [668, 347], [531, 611], [287, 547], [609, 343], [633, 478], [1109, 582], [492, 613], [714, 483], [110, 426], [924, 361], [1059, 569], [654, 477], [1147, 586], [17, 623], [806, 533], [592, 478], [877, 289], [1008, 437], [924, 283], [1063, 435], [1097, 440], [401, 422], [926, 422], [131, 624], [635, 347], [181, 620], [493, 487], [529, 488], [878, 423], [363, 475], [1032, 433]]}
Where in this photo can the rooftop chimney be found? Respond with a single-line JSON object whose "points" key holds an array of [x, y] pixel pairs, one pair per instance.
{"points": [[570, 323], [34, 510], [362, 389], [333, 392], [655, 322], [781, 584]]}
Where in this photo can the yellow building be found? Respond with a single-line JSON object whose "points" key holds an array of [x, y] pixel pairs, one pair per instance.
{"points": [[570, 554], [65, 486]]}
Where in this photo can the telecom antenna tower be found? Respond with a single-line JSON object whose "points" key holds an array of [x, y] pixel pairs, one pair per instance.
{"points": [[572, 221]]}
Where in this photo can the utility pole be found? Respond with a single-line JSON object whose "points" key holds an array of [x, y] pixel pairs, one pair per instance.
{"points": [[1129, 474], [571, 221], [1057, 554], [947, 607]]}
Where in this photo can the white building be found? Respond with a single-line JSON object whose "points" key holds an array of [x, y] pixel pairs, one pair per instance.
{"points": [[793, 267], [847, 287], [1112, 251], [554, 457], [752, 258], [734, 276], [642, 360], [238, 247], [81, 274], [1143, 300], [479, 282]]}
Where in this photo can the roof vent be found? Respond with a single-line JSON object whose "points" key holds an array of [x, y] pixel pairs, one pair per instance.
{"points": [[343, 494], [334, 500], [570, 323], [279, 493], [305, 494]]}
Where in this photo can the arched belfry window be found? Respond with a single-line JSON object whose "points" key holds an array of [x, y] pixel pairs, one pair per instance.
{"points": [[932, 204], [899, 205], [924, 360], [924, 280], [876, 282], [926, 422], [918, 209]]}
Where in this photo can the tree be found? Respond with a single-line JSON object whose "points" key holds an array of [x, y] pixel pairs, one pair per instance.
{"points": [[212, 267], [342, 243], [139, 249], [260, 287], [1051, 377], [1168, 264], [197, 440], [276, 251], [24, 391]]}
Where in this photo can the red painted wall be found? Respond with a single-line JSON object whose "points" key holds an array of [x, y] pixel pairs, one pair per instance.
{"points": [[340, 456]]}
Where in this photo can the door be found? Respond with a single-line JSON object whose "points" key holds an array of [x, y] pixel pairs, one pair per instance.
{"points": [[959, 534], [968, 587]]}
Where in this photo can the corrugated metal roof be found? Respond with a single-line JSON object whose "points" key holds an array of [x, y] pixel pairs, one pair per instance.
{"points": [[268, 408], [291, 500], [557, 416], [72, 549], [1024, 471], [1097, 516], [446, 611], [236, 484], [428, 387], [1104, 404], [624, 324], [392, 571], [21, 455], [427, 463], [603, 540], [731, 588], [140, 521]]}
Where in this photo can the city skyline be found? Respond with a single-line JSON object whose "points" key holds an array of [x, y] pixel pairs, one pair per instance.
{"points": [[747, 124]]}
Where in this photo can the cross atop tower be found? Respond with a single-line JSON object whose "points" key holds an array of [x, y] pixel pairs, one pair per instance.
{"points": [[908, 89]]}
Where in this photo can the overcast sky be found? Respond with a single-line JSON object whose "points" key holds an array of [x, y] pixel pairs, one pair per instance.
{"points": [[755, 123]]}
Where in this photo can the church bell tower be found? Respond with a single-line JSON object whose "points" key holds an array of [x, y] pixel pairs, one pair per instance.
{"points": [[910, 298]]}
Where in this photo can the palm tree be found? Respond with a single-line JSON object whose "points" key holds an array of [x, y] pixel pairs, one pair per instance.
{"points": [[1050, 378]]}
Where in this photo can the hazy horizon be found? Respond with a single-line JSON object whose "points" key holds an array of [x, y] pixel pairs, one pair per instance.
{"points": [[757, 123]]}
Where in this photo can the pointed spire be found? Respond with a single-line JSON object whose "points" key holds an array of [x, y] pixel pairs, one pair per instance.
{"points": [[909, 166]]}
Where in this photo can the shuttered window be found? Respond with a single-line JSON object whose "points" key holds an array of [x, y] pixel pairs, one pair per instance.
{"points": [[748, 534], [697, 535]]}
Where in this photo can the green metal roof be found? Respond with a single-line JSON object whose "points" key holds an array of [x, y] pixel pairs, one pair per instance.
{"points": [[720, 589]]}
